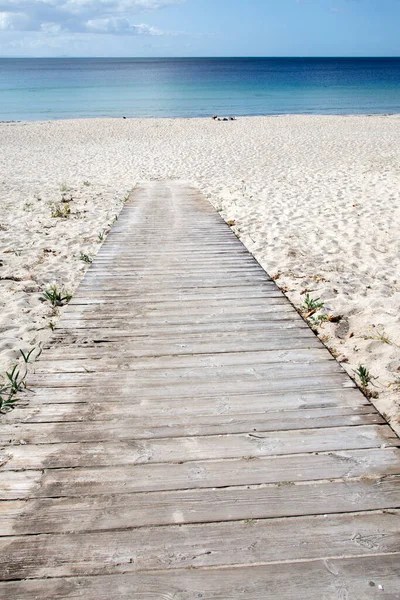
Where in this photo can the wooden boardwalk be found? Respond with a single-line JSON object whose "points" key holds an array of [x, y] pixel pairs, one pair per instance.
{"points": [[190, 438]]}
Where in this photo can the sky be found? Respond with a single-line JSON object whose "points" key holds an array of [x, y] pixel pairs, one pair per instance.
{"points": [[199, 28]]}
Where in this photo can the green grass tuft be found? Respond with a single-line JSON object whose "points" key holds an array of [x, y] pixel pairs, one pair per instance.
{"points": [[55, 296]]}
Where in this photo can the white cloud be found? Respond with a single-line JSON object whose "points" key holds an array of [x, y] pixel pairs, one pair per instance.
{"points": [[13, 21], [119, 26], [82, 16]]}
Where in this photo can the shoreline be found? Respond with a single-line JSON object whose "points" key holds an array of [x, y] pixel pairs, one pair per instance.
{"points": [[201, 118], [314, 198]]}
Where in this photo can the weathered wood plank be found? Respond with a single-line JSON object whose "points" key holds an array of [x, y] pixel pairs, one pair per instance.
{"points": [[107, 391], [168, 307], [206, 284], [178, 449], [359, 578], [105, 512], [132, 349], [45, 405], [233, 359], [154, 320], [145, 427], [170, 284], [189, 315], [87, 481], [191, 292], [134, 379], [205, 294], [116, 271], [165, 327], [168, 330], [213, 269], [200, 546], [279, 336]]}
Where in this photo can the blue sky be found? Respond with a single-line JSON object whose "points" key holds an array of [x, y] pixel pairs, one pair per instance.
{"points": [[200, 27]]}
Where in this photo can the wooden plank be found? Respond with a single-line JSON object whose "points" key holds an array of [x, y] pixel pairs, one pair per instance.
{"points": [[165, 296], [59, 391], [205, 263], [233, 359], [357, 578], [129, 376], [154, 313], [192, 291], [174, 329], [87, 481], [200, 546], [133, 349], [173, 276], [167, 308], [178, 449], [45, 406], [256, 284], [117, 270], [274, 330], [224, 304], [131, 323], [162, 426], [270, 335], [170, 283], [121, 511], [177, 270]]}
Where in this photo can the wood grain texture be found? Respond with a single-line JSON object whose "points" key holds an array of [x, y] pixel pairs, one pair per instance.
{"points": [[360, 578], [178, 507], [166, 425], [188, 448], [194, 546], [96, 481], [190, 438]]}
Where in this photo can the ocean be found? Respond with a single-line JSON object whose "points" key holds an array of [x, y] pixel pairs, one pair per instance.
{"points": [[64, 88]]}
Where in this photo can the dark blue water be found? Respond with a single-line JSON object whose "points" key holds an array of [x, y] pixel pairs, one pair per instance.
{"points": [[57, 88]]}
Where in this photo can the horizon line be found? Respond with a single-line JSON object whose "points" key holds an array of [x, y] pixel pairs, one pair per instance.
{"points": [[62, 56]]}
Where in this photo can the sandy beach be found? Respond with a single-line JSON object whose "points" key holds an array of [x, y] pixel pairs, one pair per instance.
{"points": [[314, 198]]}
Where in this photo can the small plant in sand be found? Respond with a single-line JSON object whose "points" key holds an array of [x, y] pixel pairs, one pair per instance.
{"points": [[16, 381], [309, 307], [312, 304], [127, 196], [364, 376], [55, 296], [100, 236], [318, 320], [381, 336], [86, 183], [9, 395], [26, 357], [61, 211], [7, 401], [52, 325], [86, 258], [64, 188]]}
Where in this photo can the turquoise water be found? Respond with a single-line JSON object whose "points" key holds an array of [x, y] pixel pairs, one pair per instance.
{"points": [[58, 88]]}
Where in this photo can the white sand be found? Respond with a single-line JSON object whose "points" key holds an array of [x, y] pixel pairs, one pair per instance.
{"points": [[316, 199]]}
